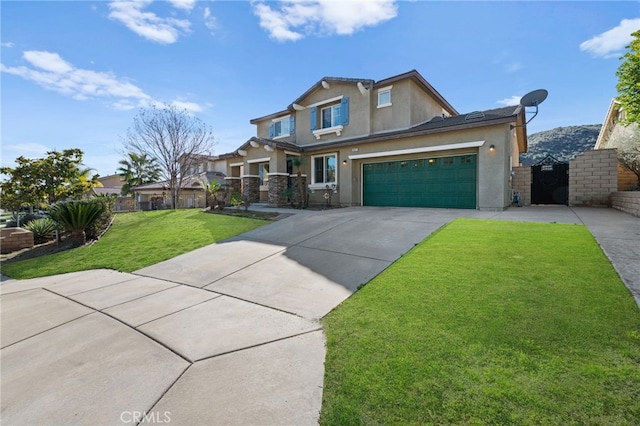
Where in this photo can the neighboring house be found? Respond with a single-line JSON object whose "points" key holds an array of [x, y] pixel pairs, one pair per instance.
{"points": [[610, 130], [393, 142], [112, 185], [156, 196]]}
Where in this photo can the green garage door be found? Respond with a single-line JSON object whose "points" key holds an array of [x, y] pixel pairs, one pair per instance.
{"points": [[447, 182]]}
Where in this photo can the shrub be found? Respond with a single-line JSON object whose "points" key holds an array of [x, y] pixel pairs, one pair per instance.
{"points": [[236, 200], [24, 219], [76, 217], [43, 229], [95, 229]]}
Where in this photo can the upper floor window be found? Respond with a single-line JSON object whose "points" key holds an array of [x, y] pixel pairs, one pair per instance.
{"points": [[331, 116], [384, 96], [281, 127], [328, 118]]}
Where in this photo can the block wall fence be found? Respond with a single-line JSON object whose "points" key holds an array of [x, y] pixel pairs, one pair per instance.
{"points": [[593, 177]]}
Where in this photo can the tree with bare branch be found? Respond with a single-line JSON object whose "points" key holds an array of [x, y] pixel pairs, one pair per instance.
{"points": [[174, 138]]}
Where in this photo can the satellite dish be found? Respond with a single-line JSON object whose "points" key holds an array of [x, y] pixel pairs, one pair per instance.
{"points": [[533, 99]]}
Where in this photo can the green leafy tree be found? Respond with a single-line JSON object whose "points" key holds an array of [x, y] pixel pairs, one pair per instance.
{"points": [[137, 169], [76, 216], [43, 181], [175, 138], [629, 80]]}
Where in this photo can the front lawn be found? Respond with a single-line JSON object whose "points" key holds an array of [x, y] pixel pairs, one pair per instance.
{"points": [[136, 240], [488, 322]]}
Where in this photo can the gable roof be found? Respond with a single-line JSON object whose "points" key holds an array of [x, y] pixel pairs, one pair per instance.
{"points": [[417, 78], [368, 83], [413, 75]]}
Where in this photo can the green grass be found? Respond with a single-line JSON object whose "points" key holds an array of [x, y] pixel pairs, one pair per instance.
{"points": [[488, 322], [136, 240]]}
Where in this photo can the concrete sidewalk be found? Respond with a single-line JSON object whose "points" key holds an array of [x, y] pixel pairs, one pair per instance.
{"points": [[229, 333]]}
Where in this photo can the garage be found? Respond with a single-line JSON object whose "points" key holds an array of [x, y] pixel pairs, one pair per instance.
{"points": [[441, 182]]}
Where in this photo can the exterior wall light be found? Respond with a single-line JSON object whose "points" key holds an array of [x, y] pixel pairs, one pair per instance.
{"points": [[492, 148], [344, 162]]}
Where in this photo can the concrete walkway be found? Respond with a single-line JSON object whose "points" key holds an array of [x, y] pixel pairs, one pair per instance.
{"points": [[226, 334]]}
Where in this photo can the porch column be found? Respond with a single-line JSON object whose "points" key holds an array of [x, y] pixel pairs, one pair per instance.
{"points": [[234, 186], [277, 188], [296, 189], [251, 188]]}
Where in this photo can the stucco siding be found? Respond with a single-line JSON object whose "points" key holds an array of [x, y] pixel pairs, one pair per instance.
{"points": [[358, 113], [423, 106]]}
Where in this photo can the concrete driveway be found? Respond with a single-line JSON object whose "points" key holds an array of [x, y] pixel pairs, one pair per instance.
{"points": [[226, 334]]}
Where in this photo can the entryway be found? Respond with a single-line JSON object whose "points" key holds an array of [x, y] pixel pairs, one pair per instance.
{"points": [[550, 182]]}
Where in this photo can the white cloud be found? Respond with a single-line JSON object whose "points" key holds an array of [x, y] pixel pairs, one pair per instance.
{"points": [[189, 106], [209, 21], [611, 43], [7, 44], [183, 4], [47, 61], [513, 100], [52, 72], [292, 20], [148, 24]]}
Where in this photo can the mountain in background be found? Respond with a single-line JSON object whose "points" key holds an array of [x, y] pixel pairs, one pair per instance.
{"points": [[562, 143]]}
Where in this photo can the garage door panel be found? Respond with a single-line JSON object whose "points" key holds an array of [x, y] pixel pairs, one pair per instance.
{"points": [[447, 182]]}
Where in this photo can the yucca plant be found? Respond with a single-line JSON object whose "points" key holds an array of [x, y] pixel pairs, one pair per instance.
{"points": [[42, 229], [76, 216]]}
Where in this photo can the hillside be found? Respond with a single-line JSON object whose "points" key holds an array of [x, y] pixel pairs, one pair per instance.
{"points": [[563, 143]]}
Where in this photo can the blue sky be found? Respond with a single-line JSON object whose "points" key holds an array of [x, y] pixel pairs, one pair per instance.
{"points": [[74, 74]]}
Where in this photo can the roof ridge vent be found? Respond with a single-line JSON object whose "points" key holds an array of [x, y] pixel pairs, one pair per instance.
{"points": [[473, 115]]}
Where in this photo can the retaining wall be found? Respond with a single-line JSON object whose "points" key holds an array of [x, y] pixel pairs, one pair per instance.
{"points": [[14, 239], [627, 201]]}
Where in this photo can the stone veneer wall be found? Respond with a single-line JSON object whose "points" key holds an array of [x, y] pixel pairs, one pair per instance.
{"points": [[627, 201], [277, 189], [14, 239], [234, 186], [251, 188], [522, 183], [294, 187], [593, 176]]}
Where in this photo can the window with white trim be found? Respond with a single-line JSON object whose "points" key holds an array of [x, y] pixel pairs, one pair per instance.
{"points": [[281, 128], [263, 172], [330, 116], [384, 97], [325, 170]]}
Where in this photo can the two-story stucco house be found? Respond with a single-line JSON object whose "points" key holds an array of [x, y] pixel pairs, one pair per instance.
{"points": [[393, 142]]}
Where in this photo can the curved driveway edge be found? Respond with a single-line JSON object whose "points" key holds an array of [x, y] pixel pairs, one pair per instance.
{"points": [[229, 333]]}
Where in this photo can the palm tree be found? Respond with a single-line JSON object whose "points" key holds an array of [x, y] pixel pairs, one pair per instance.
{"points": [[76, 216], [137, 169], [83, 182], [211, 189]]}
